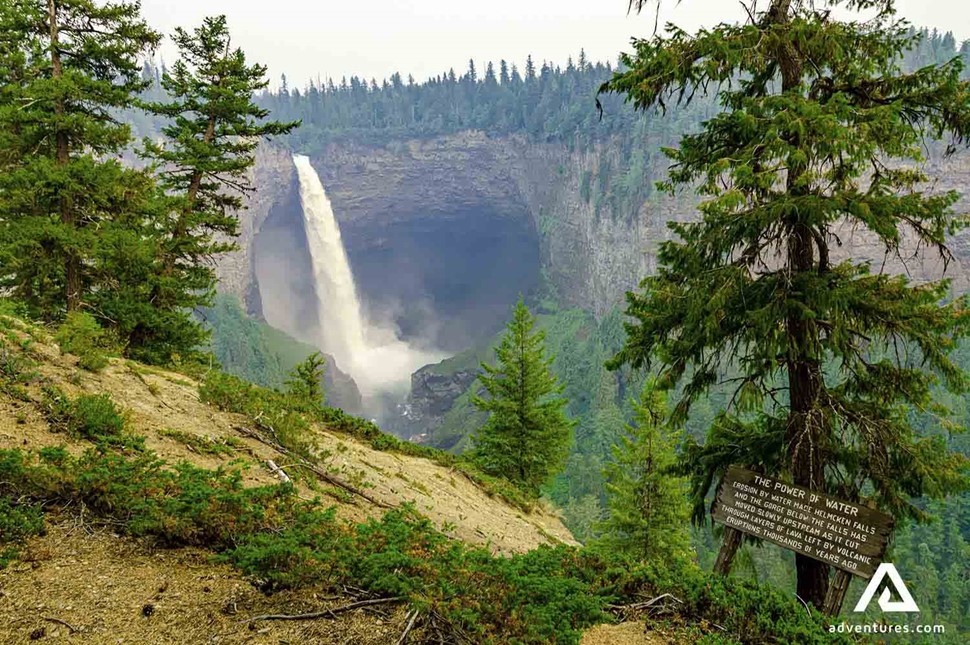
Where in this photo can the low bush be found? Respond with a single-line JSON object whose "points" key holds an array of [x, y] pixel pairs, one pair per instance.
{"points": [[81, 335], [16, 371], [177, 504], [17, 523], [14, 366], [548, 595], [94, 417]]}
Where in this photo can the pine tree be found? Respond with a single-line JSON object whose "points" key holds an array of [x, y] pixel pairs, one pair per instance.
{"points": [[490, 80], [649, 513], [66, 68], [305, 381], [203, 162], [819, 129], [527, 435], [606, 420], [530, 69]]}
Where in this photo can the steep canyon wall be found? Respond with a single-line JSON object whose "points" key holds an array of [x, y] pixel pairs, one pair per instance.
{"points": [[444, 233]]}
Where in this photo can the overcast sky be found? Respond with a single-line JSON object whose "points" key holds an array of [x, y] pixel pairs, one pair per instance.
{"points": [[374, 38]]}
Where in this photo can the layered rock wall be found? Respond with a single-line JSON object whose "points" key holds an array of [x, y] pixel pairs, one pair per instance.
{"points": [[420, 210]]}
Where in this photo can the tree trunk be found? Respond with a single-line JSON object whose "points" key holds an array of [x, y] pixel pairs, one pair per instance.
{"points": [[805, 422], [836, 593], [195, 183], [72, 263], [729, 548]]}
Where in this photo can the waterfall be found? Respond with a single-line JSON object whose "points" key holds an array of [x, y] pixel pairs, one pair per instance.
{"points": [[378, 360]]}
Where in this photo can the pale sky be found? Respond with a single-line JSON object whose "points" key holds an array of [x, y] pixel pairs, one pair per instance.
{"points": [[374, 38]]}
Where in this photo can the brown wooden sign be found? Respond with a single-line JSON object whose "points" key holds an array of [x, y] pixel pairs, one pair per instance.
{"points": [[842, 534]]}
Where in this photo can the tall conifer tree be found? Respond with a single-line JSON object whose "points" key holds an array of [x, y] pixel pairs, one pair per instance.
{"points": [[203, 162], [819, 129], [527, 435], [66, 68], [649, 514]]}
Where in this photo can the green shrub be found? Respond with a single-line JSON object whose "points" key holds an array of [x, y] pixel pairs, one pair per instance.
{"points": [[81, 335], [14, 308], [226, 392], [179, 505], [17, 523], [14, 366], [292, 432], [16, 370], [549, 595], [94, 417]]}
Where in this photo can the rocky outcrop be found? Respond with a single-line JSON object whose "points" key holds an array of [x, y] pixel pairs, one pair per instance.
{"points": [[273, 177], [432, 394], [340, 388]]}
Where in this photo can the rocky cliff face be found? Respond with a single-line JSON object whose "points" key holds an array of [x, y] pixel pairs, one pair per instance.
{"points": [[492, 197], [443, 234], [274, 177], [432, 395]]}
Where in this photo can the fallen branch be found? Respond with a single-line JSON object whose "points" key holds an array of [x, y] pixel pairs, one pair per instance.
{"points": [[407, 630], [332, 613], [448, 629], [327, 477], [62, 622], [637, 606], [276, 470]]}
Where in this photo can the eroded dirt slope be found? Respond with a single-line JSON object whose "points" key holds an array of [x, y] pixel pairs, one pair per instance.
{"points": [[164, 407], [82, 583]]}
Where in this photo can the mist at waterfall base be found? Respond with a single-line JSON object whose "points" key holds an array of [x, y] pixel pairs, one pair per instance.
{"points": [[374, 355]]}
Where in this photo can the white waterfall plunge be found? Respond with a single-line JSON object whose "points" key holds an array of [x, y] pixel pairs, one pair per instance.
{"points": [[378, 360]]}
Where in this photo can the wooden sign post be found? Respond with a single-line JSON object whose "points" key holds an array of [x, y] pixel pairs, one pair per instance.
{"points": [[848, 536]]}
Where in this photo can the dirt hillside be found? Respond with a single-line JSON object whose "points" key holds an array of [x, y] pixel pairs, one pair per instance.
{"points": [[164, 407], [81, 583]]}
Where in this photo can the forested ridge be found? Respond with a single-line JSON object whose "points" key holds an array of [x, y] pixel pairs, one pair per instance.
{"points": [[543, 101]]}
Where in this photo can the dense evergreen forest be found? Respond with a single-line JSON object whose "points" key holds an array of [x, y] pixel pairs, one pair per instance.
{"points": [[544, 101]]}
